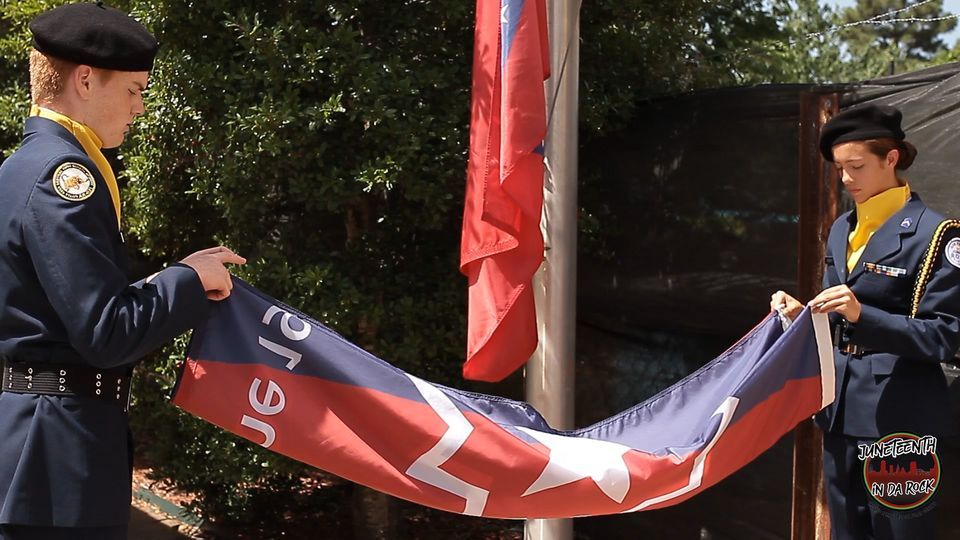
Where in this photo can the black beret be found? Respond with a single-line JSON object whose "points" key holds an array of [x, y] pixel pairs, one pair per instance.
{"points": [[94, 35], [860, 124]]}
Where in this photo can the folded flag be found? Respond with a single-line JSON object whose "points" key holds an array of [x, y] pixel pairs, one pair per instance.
{"points": [[270, 374]]}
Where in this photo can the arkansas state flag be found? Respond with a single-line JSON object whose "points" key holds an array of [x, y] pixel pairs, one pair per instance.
{"points": [[272, 375], [502, 246]]}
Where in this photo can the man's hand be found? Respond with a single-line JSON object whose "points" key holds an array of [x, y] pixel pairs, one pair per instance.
{"points": [[840, 299], [210, 265], [790, 306]]}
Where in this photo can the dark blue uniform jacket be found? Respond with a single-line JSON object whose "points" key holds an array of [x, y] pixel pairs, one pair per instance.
{"points": [[65, 297], [898, 384]]}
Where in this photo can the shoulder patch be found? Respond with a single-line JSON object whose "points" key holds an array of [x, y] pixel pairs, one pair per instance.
{"points": [[952, 251], [73, 182]]}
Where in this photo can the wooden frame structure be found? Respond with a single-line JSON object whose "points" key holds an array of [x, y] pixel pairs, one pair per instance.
{"points": [[818, 203]]}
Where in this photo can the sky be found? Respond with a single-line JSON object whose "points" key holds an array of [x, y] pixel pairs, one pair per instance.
{"points": [[950, 6]]}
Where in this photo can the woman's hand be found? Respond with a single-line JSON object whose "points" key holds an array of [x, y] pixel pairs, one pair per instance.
{"points": [[839, 299], [788, 305]]}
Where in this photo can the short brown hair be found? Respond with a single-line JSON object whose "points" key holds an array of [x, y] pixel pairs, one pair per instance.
{"points": [[47, 76], [882, 147]]}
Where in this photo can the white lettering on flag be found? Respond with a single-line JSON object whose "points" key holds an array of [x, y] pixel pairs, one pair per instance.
{"points": [[285, 352], [266, 407], [269, 435], [285, 327]]}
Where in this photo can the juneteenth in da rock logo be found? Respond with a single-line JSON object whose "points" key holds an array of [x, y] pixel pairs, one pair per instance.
{"points": [[901, 471]]}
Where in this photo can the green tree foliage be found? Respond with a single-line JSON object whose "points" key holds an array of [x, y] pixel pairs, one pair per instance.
{"points": [[916, 36], [869, 40], [14, 99], [948, 55], [804, 50], [634, 49], [324, 142], [817, 44]]}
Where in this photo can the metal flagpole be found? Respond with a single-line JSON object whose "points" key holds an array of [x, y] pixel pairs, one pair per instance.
{"points": [[549, 374]]}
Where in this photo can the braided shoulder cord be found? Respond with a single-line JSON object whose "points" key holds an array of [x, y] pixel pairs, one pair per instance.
{"points": [[929, 258]]}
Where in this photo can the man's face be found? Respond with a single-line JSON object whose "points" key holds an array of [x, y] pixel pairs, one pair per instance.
{"points": [[116, 99]]}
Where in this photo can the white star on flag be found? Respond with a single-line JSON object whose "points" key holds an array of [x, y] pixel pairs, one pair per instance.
{"points": [[573, 458], [503, 13], [427, 467]]}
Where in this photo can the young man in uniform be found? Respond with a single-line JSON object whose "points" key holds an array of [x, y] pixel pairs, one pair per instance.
{"points": [[71, 325]]}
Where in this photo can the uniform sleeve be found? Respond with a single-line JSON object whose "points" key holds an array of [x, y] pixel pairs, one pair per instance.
{"points": [[934, 333], [74, 246]]}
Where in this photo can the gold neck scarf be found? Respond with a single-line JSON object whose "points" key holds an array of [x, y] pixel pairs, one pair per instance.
{"points": [[91, 145], [871, 214]]}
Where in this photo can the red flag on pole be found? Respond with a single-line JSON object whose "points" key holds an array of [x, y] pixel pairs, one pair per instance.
{"points": [[502, 245]]}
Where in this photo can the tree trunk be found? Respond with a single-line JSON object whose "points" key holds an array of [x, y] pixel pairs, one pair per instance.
{"points": [[375, 515]]}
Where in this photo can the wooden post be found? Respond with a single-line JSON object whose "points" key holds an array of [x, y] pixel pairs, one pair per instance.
{"points": [[818, 209]]}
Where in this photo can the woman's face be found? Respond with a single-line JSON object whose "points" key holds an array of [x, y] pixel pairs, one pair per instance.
{"points": [[865, 174]]}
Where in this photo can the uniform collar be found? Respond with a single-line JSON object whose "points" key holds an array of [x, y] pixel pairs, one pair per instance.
{"points": [[885, 242], [79, 130], [35, 124]]}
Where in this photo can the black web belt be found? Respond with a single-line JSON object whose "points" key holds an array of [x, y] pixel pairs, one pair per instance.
{"points": [[67, 380]]}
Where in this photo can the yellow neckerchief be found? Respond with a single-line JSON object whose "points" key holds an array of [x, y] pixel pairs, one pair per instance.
{"points": [[871, 214], [91, 145]]}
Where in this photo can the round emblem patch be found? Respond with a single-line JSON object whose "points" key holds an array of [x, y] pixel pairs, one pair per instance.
{"points": [[952, 252], [74, 182]]}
